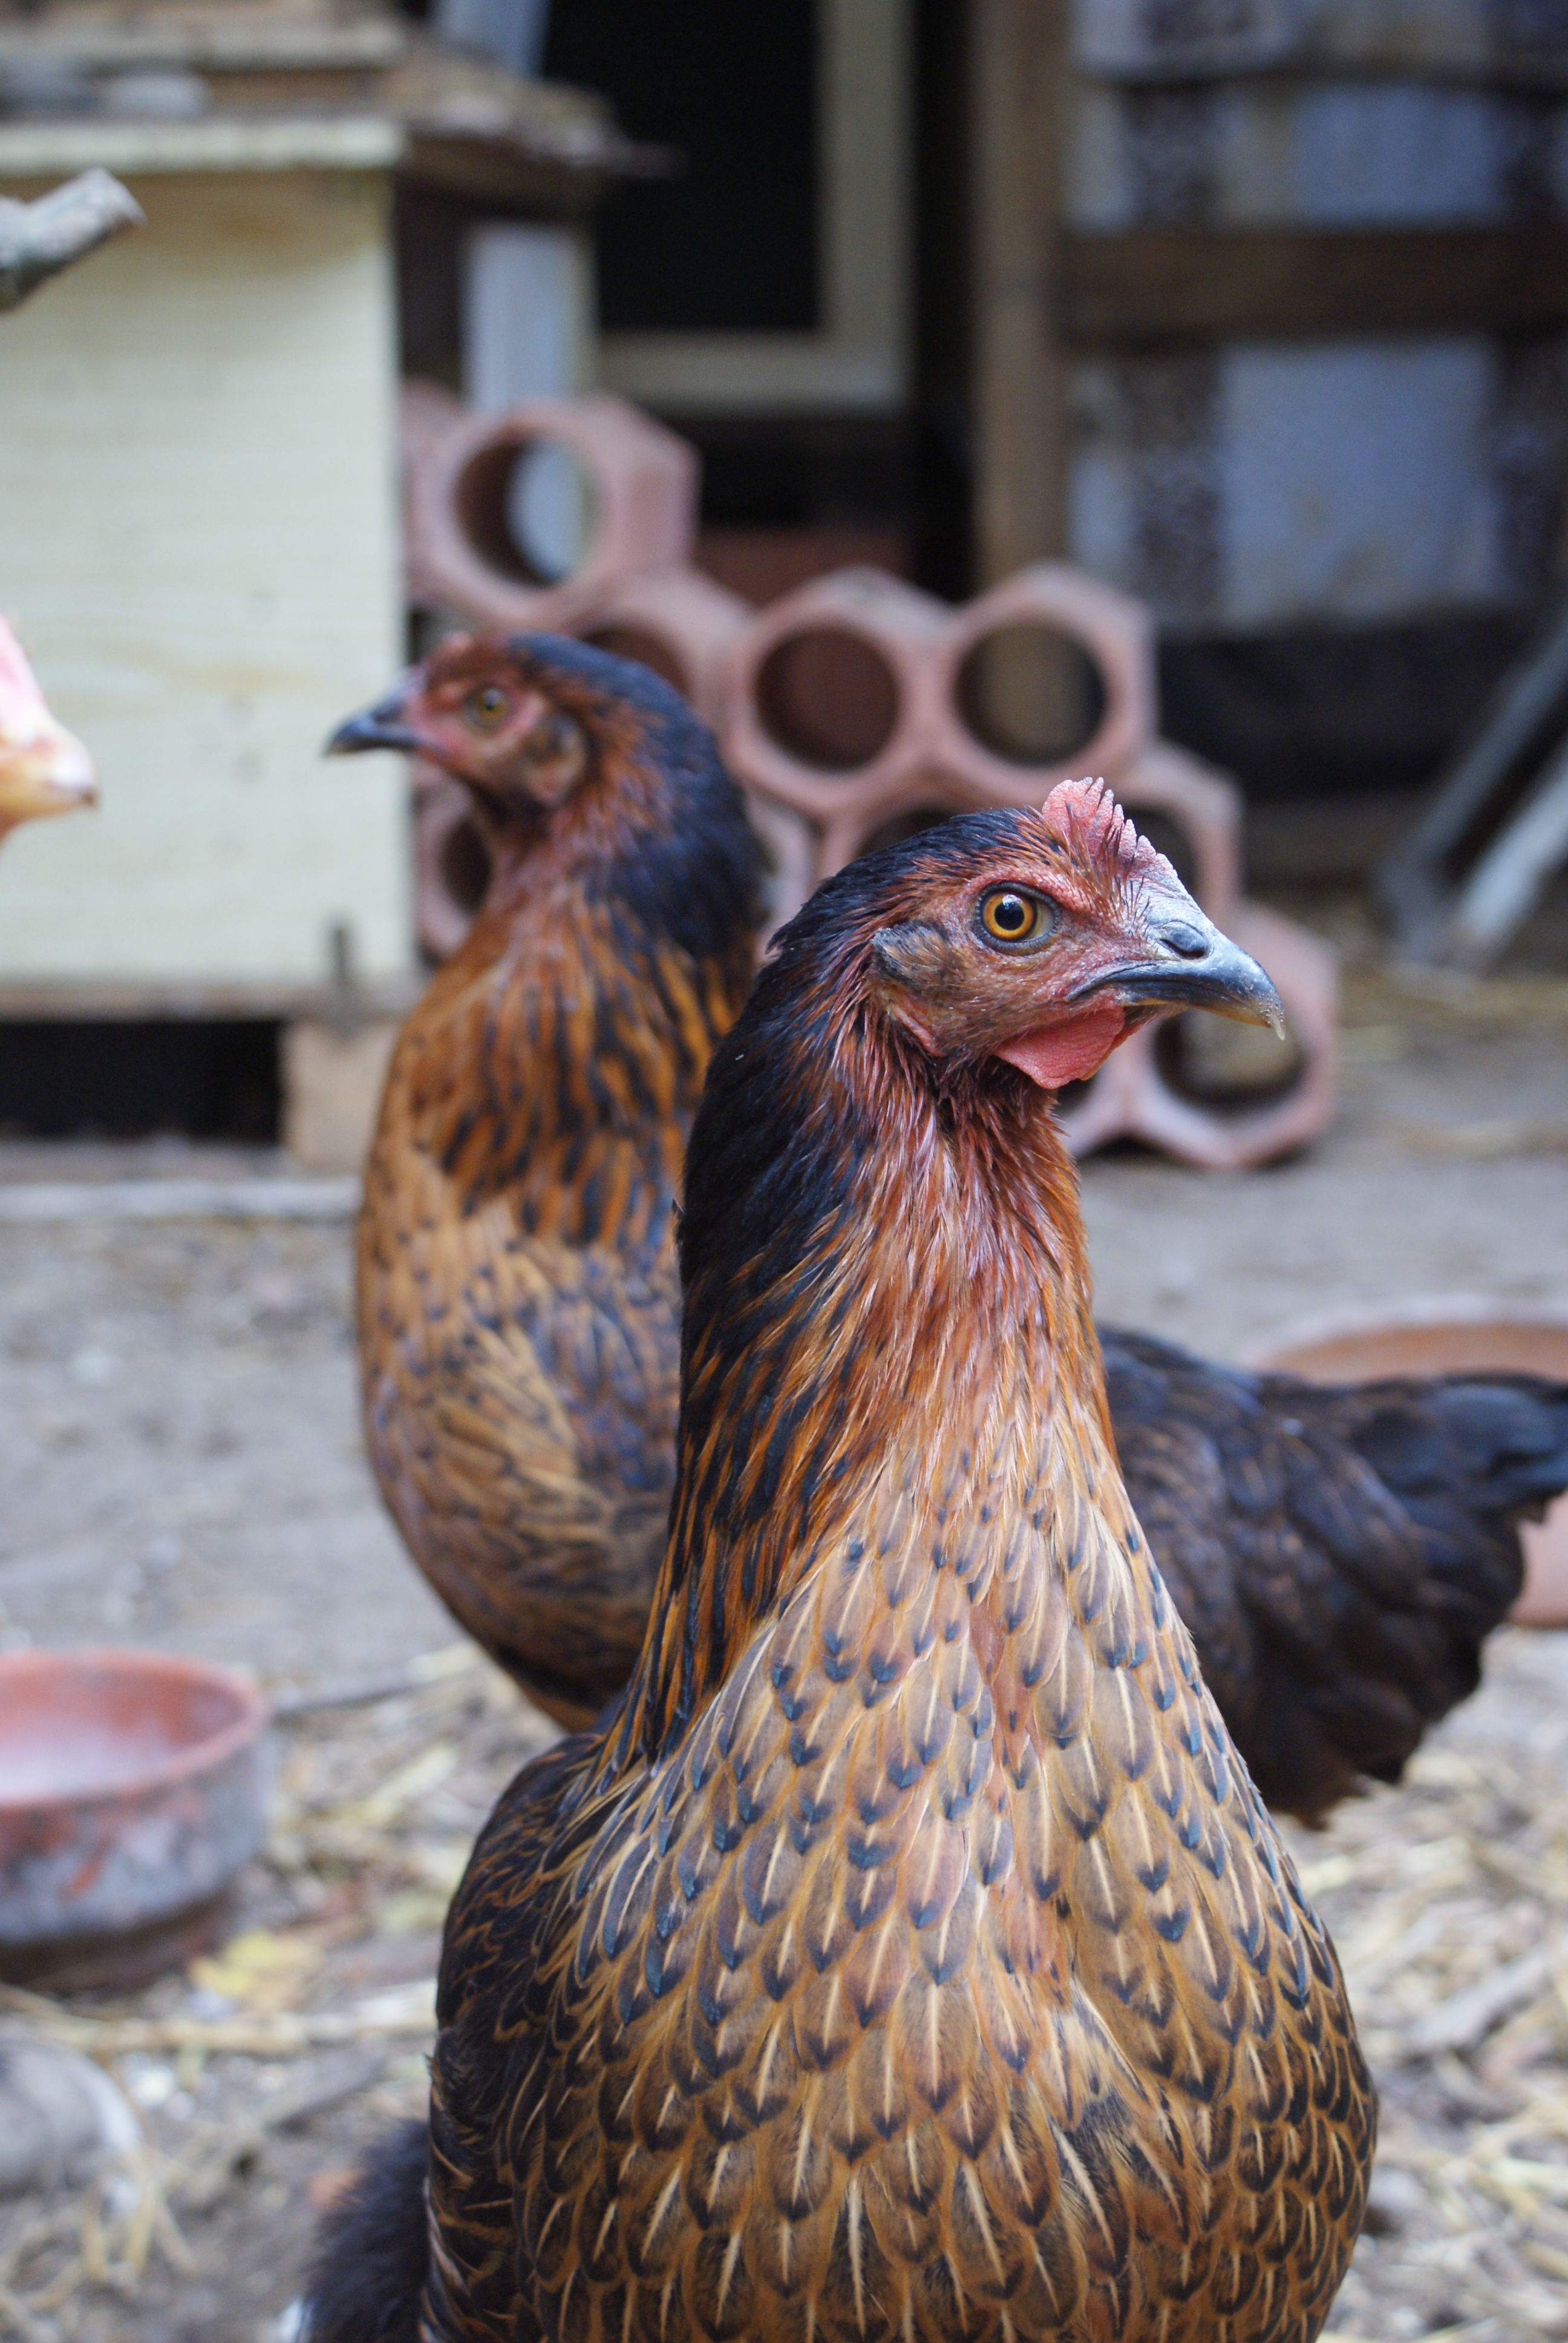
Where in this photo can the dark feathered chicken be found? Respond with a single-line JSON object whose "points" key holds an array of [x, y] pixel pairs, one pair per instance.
{"points": [[909, 1959], [1340, 1555], [517, 1311], [516, 1282]]}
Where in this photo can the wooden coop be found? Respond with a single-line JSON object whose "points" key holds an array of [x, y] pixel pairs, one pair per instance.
{"points": [[200, 485], [1268, 326]]}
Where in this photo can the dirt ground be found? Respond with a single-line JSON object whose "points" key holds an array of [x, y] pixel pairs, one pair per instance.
{"points": [[181, 1467]]}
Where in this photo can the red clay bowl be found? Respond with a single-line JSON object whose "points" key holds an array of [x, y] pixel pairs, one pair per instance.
{"points": [[1451, 1342], [131, 1792]]}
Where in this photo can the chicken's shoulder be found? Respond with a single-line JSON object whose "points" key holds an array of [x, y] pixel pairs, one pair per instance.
{"points": [[1340, 1555]]}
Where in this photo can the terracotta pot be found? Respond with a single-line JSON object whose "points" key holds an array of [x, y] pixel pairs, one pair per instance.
{"points": [[131, 1793], [461, 550]]}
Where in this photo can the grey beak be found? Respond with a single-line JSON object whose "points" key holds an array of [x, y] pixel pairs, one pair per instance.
{"points": [[381, 727], [1197, 968]]}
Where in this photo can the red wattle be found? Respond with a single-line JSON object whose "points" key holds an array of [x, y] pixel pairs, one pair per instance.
{"points": [[1069, 1051]]}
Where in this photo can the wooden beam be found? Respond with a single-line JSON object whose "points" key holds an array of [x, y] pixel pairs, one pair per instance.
{"points": [[1017, 69], [112, 1002], [1154, 285]]}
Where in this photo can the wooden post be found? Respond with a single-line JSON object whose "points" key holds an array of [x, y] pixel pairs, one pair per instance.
{"points": [[1018, 63], [1029, 692]]}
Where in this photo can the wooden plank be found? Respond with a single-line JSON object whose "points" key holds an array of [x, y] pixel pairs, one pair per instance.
{"points": [[200, 542], [1017, 67], [1153, 285], [136, 1004], [290, 142], [501, 175]]}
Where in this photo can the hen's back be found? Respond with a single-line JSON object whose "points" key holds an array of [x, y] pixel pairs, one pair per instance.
{"points": [[1339, 1553]]}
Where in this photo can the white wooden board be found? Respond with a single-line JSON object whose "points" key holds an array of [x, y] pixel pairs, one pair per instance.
{"points": [[199, 543]]}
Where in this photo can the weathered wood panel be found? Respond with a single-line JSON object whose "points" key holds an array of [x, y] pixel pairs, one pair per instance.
{"points": [[199, 541], [1151, 284]]}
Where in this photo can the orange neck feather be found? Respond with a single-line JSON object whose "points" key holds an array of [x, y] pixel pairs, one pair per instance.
{"points": [[558, 1055], [928, 1342]]}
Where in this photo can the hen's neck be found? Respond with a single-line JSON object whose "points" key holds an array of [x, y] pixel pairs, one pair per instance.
{"points": [[897, 1359], [560, 1056]]}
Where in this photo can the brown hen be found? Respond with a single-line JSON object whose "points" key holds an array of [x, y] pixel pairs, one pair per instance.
{"points": [[516, 1282], [1339, 1561], [912, 1957]]}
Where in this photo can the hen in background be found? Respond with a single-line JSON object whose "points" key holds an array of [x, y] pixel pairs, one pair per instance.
{"points": [[1340, 1555], [518, 1302], [519, 1341], [909, 1957], [44, 768]]}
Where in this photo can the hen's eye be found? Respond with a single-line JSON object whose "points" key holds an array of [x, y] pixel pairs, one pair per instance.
{"points": [[485, 706], [1008, 916]]}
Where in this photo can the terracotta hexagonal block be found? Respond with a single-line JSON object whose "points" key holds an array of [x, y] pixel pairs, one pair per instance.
{"points": [[855, 701], [462, 552], [1052, 609], [851, 703], [451, 865], [828, 701], [678, 621]]}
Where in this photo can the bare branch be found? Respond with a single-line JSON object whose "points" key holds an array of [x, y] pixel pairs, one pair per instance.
{"points": [[39, 239]]}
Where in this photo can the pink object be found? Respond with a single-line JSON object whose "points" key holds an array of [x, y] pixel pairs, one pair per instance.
{"points": [[927, 757], [131, 1793], [44, 768], [23, 708], [1444, 1340], [1113, 631], [461, 553]]}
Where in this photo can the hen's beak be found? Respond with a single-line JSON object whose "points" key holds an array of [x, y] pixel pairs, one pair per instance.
{"points": [[52, 774], [1187, 963], [385, 726]]}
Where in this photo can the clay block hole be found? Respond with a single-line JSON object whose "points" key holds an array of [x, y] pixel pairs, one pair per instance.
{"points": [[527, 510], [1031, 695], [827, 698], [1226, 1067]]}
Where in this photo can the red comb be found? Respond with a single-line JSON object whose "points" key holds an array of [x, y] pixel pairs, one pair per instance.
{"points": [[1085, 816]]}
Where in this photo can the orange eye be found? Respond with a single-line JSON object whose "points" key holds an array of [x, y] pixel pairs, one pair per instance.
{"points": [[1008, 916], [486, 707]]}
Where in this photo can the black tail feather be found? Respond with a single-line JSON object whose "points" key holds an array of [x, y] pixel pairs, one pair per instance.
{"points": [[1341, 1554], [373, 2251], [1497, 1445]]}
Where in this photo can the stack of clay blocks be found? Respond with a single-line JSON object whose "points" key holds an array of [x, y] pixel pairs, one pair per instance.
{"points": [[847, 710]]}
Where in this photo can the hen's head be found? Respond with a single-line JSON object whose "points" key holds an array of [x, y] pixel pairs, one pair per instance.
{"points": [[1039, 938], [527, 723], [579, 762], [44, 768]]}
